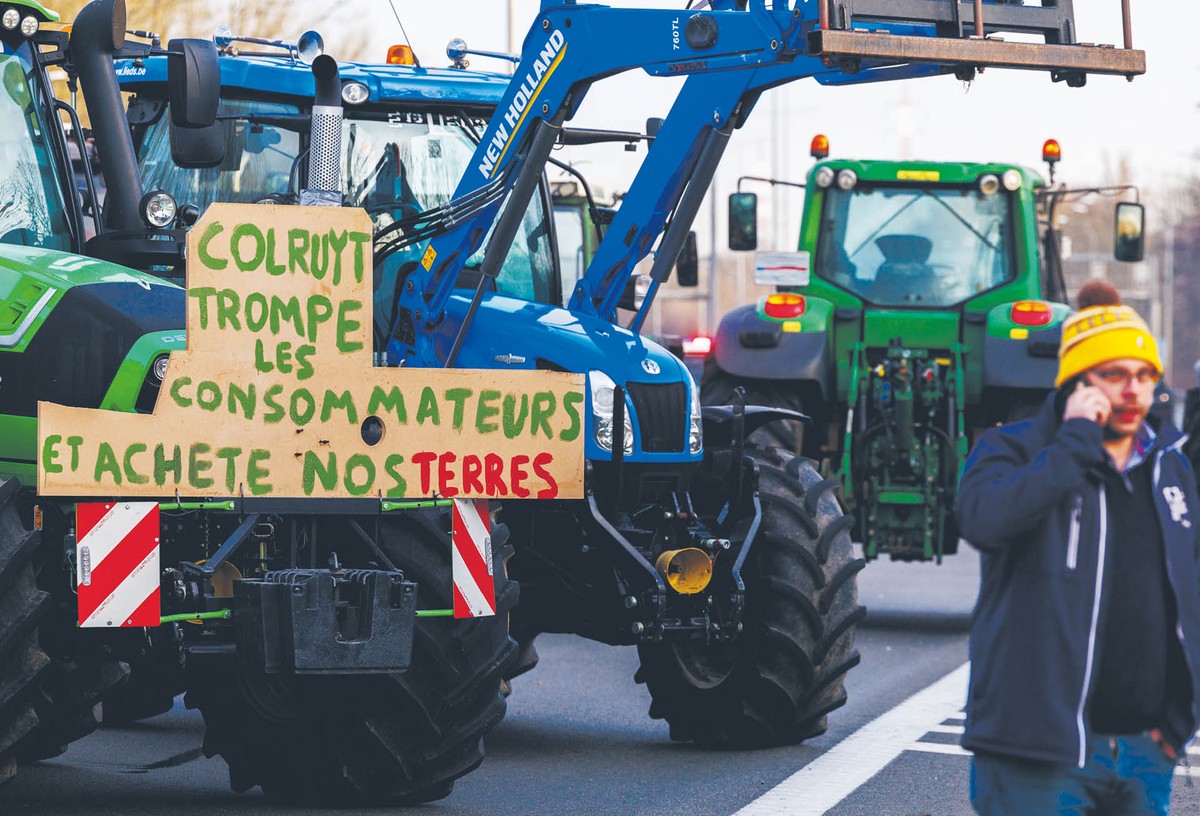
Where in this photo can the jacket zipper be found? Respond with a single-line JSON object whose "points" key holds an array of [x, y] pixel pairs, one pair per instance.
{"points": [[1091, 644], [1073, 534]]}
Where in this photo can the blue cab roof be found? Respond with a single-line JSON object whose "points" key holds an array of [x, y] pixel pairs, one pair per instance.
{"points": [[278, 76]]}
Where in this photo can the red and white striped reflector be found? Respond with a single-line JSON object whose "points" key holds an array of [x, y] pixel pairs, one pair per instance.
{"points": [[474, 584], [116, 564]]}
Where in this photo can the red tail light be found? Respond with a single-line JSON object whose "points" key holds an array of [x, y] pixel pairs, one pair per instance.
{"points": [[698, 346], [784, 306], [1030, 313]]}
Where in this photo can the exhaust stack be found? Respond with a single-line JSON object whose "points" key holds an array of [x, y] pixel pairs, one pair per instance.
{"points": [[325, 146]]}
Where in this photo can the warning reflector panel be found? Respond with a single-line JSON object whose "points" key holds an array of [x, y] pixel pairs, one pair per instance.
{"points": [[116, 564], [474, 584]]}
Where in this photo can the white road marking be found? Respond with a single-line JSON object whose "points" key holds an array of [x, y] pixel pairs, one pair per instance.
{"points": [[946, 729], [837, 773], [939, 748]]}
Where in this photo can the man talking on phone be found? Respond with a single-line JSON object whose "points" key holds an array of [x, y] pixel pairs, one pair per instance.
{"points": [[1085, 642]]}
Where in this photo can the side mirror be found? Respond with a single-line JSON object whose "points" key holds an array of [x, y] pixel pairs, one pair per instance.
{"points": [[687, 266], [1129, 240], [743, 221], [193, 82]]}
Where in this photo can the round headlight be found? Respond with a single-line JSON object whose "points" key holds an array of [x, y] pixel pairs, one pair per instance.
{"points": [[10, 19], [989, 184], [1011, 180], [824, 177], [354, 93], [159, 369], [158, 209], [29, 26], [846, 179]]}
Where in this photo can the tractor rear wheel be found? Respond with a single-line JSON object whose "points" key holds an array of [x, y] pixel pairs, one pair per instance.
{"points": [[21, 605], [717, 389], [776, 682], [402, 737]]}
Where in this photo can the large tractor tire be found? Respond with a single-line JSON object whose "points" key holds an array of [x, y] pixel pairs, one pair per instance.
{"points": [[22, 604], [82, 669], [717, 388], [366, 739], [776, 682]]}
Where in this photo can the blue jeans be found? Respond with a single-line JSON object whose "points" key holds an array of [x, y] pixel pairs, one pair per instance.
{"points": [[1122, 775]]}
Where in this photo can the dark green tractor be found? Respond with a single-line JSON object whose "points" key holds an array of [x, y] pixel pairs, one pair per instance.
{"points": [[925, 302]]}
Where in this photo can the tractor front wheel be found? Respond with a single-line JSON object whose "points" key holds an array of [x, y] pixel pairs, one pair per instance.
{"points": [[776, 681]]}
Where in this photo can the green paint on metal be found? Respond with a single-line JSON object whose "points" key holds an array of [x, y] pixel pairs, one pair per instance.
{"points": [[435, 613], [47, 15], [899, 497], [420, 504], [220, 614], [198, 505]]}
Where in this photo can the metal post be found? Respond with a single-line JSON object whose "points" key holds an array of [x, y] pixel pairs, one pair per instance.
{"points": [[823, 14], [1126, 24], [978, 18]]}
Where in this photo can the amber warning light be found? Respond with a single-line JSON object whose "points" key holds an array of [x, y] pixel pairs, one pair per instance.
{"points": [[400, 55], [1051, 151], [819, 148]]}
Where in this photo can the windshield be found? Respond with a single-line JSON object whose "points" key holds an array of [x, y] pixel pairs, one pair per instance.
{"points": [[403, 163], [258, 159], [32, 207], [393, 166], [568, 229], [915, 246]]}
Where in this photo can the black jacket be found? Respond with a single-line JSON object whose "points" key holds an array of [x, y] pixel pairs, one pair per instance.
{"points": [[1032, 502]]}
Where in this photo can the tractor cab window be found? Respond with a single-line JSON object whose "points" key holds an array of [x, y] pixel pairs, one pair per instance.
{"points": [[402, 163], [258, 159], [915, 246], [32, 206]]}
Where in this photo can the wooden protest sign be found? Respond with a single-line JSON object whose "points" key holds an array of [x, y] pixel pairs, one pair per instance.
{"points": [[276, 394]]}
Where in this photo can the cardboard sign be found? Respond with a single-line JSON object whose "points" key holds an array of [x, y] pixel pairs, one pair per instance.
{"points": [[277, 395]]}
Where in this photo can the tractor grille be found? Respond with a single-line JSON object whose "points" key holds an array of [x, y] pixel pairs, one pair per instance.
{"points": [[662, 415]]}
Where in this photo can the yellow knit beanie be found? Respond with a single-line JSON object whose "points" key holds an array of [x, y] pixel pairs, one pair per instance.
{"points": [[1102, 333]]}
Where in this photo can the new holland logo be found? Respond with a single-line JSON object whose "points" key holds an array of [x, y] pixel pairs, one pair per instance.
{"points": [[543, 66], [650, 367]]}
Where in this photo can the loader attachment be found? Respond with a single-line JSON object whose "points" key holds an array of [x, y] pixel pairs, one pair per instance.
{"points": [[968, 37]]}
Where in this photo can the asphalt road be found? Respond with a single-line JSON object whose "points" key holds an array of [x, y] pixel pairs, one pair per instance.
{"points": [[577, 738]]}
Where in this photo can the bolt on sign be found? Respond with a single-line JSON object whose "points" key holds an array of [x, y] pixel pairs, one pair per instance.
{"points": [[276, 394]]}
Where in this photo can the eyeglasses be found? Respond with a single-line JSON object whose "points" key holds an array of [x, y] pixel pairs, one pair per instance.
{"points": [[1119, 376]]}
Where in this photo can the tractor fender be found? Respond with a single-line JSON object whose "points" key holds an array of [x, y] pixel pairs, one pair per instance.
{"points": [[1018, 356], [751, 347]]}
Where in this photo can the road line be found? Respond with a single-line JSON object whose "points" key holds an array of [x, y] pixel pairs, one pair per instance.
{"points": [[946, 729], [939, 748], [838, 772]]}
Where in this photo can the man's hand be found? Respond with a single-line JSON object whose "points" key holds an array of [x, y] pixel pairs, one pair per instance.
{"points": [[1088, 402]]}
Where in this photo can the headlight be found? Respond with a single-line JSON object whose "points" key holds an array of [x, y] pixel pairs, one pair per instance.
{"points": [[10, 19], [158, 209], [824, 177], [989, 184], [602, 389], [29, 26], [1011, 180], [159, 369], [695, 425], [846, 179], [354, 93]]}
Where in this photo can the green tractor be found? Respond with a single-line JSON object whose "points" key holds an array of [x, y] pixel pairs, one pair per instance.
{"points": [[925, 302], [347, 709]]}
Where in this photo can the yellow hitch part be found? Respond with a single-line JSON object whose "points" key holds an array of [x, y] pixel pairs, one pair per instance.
{"points": [[687, 571], [223, 578]]}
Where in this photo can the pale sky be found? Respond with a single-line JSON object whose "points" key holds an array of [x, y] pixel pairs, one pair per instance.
{"points": [[1003, 116]]}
